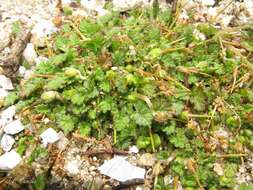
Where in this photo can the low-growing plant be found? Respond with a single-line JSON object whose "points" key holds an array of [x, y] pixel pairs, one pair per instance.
{"points": [[145, 80]]}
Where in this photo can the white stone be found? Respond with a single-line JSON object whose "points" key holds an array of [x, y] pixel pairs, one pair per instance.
{"points": [[9, 160], [8, 114], [123, 5], [49, 136], [14, 127], [212, 11], [207, 2], [133, 149], [183, 15], [30, 54], [21, 71], [73, 167], [249, 6], [147, 159], [102, 12], [3, 93], [41, 30], [7, 142], [66, 2], [225, 20], [28, 74], [5, 83], [120, 169], [92, 5], [80, 13], [221, 133], [199, 35], [218, 169], [114, 68]]}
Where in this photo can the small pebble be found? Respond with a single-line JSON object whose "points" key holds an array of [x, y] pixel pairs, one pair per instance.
{"points": [[7, 142], [9, 160], [6, 83], [49, 136], [147, 159], [14, 127]]}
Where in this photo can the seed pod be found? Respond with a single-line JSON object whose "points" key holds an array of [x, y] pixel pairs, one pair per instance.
{"points": [[162, 73], [72, 72], [161, 116], [131, 79], [157, 140], [130, 68], [184, 115], [110, 74], [131, 97], [49, 96], [155, 53]]}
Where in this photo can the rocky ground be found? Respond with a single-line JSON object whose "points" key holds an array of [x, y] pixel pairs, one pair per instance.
{"points": [[79, 158]]}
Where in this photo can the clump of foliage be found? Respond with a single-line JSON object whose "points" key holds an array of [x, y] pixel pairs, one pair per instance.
{"points": [[148, 80]]}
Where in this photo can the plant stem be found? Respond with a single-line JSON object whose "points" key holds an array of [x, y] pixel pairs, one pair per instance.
{"points": [[199, 116], [168, 50], [231, 155], [114, 135], [78, 31], [152, 139]]}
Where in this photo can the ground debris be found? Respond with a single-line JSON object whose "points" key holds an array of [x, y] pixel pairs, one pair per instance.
{"points": [[11, 63]]}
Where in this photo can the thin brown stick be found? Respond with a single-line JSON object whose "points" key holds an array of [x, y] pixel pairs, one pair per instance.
{"points": [[231, 155], [42, 76], [105, 151]]}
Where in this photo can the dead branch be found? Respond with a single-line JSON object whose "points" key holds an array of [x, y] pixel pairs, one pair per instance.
{"points": [[11, 63]]}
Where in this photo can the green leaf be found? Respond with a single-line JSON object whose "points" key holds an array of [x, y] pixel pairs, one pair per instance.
{"points": [[58, 59], [46, 67], [84, 128], [67, 11], [89, 27], [39, 151], [143, 142], [142, 116], [170, 129], [105, 86], [245, 186], [62, 43], [66, 122], [32, 85], [16, 27], [179, 140], [198, 99], [106, 105], [56, 83], [155, 8], [40, 182], [10, 99], [121, 121]]}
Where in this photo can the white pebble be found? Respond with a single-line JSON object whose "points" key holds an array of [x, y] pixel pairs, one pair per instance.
{"points": [[7, 142], [5, 83], [14, 127], [8, 114], [3, 93], [30, 54], [133, 149], [40, 31], [9, 160], [73, 167], [49, 136]]}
